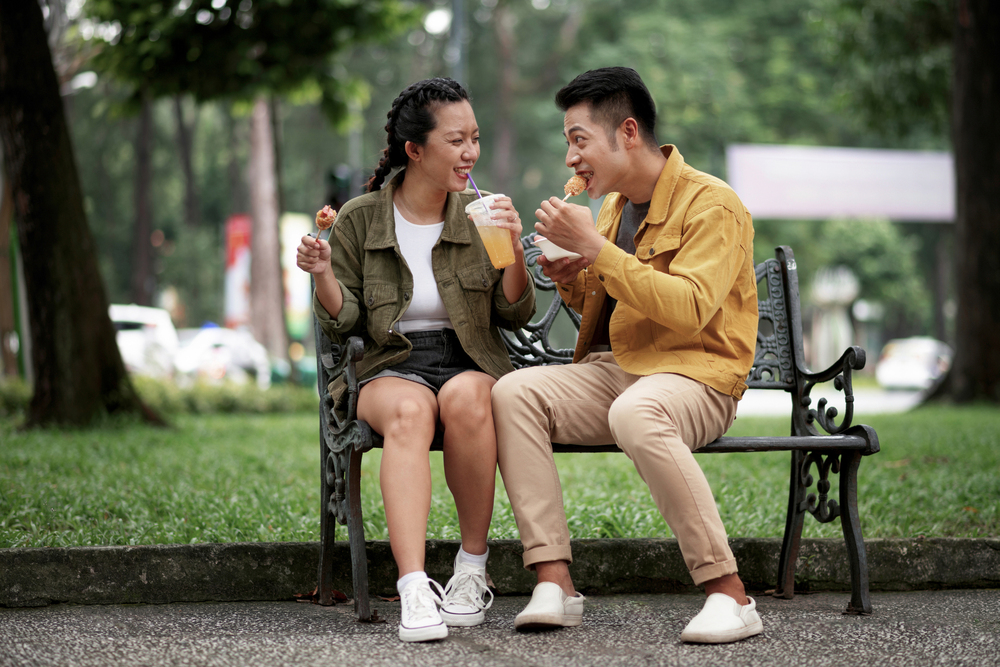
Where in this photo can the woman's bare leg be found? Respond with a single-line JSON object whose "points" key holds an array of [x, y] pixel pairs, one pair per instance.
{"points": [[470, 453], [406, 414]]}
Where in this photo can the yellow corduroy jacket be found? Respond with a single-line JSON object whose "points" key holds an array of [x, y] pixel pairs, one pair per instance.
{"points": [[687, 299]]}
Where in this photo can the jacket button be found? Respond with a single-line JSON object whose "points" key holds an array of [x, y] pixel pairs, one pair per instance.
{"points": [[391, 332], [371, 300], [652, 250], [485, 283], [406, 296]]}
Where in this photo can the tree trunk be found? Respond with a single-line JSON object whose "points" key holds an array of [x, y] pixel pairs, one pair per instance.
{"points": [[505, 134], [238, 195], [79, 374], [266, 291], [8, 358], [185, 141], [142, 249], [975, 374]]}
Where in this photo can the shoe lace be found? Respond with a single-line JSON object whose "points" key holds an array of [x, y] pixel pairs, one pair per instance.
{"points": [[467, 588], [422, 601]]}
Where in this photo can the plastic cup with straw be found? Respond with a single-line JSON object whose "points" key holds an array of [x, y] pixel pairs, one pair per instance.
{"points": [[496, 239]]}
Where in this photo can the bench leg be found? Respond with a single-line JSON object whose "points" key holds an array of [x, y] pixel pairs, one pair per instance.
{"points": [[851, 523], [356, 531], [793, 531], [327, 525]]}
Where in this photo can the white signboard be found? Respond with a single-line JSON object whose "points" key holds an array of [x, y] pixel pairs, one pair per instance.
{"points": [[811, 182]]}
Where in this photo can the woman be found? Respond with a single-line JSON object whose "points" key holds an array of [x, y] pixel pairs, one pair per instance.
{"points": [[407, 272]]}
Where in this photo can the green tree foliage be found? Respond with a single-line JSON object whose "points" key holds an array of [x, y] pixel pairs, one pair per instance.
{"points": [[215, 49], [757, 71], [896, 59]]}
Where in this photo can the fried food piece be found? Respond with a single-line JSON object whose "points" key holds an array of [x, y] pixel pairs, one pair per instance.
{"points": [[575, 186], [325, 217]]}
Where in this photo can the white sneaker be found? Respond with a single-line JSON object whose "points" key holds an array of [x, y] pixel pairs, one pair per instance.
{"points": [[464, 596], [723, 620], [419, 620], [550, 607]]}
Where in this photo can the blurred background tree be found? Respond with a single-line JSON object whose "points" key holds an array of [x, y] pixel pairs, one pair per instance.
{"points": [[925, 68], [78, 370], [870, 74], [237, 51]]}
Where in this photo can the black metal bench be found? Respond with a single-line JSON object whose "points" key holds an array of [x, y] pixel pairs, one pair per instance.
{"points": [[778, 364]]}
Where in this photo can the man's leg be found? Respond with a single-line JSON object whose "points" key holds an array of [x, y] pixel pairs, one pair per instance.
{"points": [[531, 409], [659, 421]]}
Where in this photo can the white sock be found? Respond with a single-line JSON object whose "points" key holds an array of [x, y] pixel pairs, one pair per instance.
{"points": [[407, 579], [479, 561]]}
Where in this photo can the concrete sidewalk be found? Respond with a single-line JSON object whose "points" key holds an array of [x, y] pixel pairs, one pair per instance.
{"points": [[281, 570], [916, 628]]}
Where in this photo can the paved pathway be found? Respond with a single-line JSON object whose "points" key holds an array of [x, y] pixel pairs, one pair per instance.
{"points": [[916, 628]]}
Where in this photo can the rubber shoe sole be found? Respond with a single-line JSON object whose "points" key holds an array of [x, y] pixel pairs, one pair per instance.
{"points": [[424, 634], [462, 620]]}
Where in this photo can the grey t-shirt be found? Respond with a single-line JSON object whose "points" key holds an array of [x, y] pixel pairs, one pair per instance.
{"points": [[632, 217]]}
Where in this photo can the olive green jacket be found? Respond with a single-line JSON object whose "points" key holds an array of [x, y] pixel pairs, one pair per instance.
{"points": [[377, 285]]}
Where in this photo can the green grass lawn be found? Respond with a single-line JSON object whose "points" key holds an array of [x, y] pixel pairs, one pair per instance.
{"points": [[235, 478]]}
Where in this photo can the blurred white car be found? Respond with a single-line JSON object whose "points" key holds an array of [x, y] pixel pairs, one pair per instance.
{"points": [[216, 354], [146, 339], [912, 363]]}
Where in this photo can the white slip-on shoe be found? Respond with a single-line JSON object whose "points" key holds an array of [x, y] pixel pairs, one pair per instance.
{"points": [[464, 596], [723, 620], [550, 607], [419, 619]]}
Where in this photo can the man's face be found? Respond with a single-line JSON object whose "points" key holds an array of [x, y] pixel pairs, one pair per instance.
{"points": [[591, 153]]}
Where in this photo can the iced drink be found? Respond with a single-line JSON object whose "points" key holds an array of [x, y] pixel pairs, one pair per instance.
{"points": [[496, 239]]}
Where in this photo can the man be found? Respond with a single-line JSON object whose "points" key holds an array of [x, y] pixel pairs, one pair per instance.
{"points": [[668, 302]]}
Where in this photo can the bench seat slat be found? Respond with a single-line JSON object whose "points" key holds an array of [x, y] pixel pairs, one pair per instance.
{"points": [[722, 445], [750, 444]]}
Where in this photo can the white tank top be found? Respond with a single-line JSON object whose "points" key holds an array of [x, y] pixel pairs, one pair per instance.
{"points": [[426, 311]]}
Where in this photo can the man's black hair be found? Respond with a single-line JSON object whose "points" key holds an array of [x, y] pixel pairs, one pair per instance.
{"points": [[614, 94]]}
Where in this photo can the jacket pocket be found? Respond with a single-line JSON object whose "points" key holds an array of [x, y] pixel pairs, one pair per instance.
{"points": [[656, 249], [477, 283], [379, 303]]}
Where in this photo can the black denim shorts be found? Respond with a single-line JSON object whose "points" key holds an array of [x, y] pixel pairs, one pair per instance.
{"points": [[437, 357]]}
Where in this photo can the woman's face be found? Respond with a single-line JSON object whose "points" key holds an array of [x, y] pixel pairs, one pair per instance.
{"points": [[451, 149]]}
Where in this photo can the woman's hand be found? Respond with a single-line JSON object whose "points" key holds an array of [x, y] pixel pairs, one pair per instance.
{"points": [[515, 277], [505, 215], [313, 256]]}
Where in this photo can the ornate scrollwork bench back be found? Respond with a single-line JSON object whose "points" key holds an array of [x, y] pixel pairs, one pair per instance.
{"points": [[778, 364]]}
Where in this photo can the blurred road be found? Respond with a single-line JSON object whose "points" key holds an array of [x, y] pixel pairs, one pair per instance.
{"points": [[868, 401]]}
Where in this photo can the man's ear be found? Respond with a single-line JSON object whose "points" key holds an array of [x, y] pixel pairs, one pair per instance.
{"points": [[630, 133], [413, 151]]}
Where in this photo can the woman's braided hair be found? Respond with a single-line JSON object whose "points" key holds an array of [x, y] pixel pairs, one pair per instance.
{"points": [[412, 119]]}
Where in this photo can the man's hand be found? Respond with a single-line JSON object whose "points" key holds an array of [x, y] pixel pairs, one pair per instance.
{"points": [[570, 227], [563, 270]]}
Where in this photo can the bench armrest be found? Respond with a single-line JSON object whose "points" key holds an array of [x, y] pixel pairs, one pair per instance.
{"points": [[840, 372], [342, 361]]}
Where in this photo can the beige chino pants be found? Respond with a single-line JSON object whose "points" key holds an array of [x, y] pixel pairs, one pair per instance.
{"points": [[657, 420]]}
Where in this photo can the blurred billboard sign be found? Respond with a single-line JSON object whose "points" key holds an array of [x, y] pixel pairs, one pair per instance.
{"points": [[815, 182], [298, 283], [237, 306]]}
